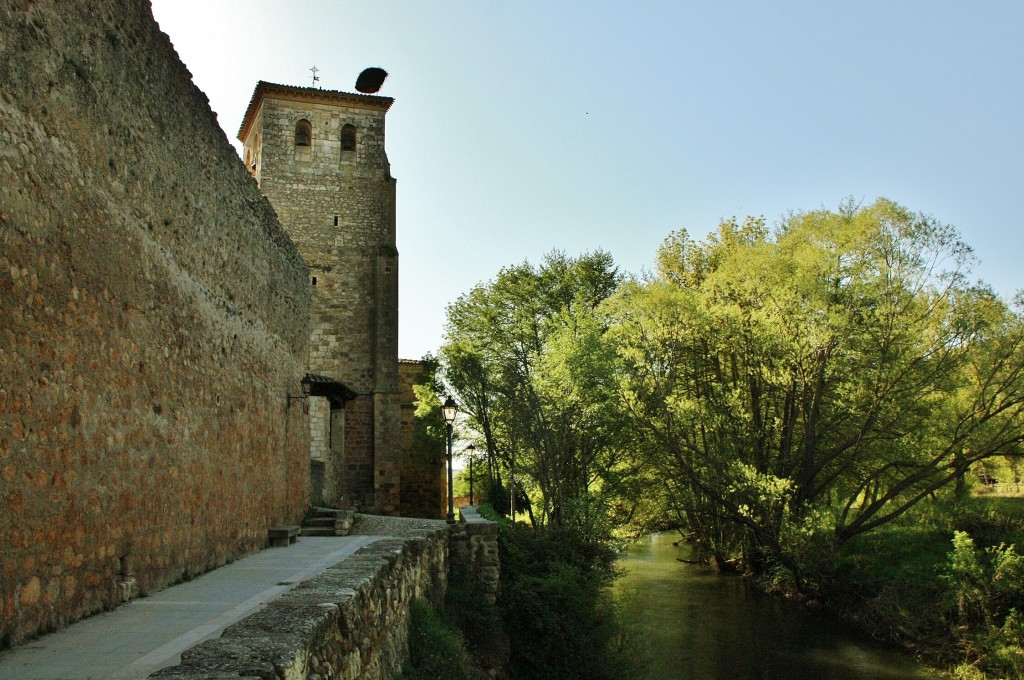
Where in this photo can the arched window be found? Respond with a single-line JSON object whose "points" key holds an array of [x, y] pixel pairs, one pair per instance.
{"points": [[303, 133], [348, 138]]}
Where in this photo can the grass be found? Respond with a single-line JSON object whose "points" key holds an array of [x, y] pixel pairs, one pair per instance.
{"points": [[888, 584], [895, 582], [460, 640]]}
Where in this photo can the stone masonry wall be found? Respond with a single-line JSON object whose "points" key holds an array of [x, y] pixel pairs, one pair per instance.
{"points": [[474, 547], [153, 318], [351, 622], [423, 471], [355, 479]]}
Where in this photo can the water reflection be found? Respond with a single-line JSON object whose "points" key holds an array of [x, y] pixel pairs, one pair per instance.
{"points": [[698, 624]]}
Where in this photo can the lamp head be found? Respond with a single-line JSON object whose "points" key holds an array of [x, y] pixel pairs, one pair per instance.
{"points": [[448, 410]]}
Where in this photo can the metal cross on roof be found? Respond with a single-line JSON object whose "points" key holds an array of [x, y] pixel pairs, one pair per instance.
{"points": [[316, 78]]}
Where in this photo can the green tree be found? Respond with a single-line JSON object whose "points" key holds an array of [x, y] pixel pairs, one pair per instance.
{"points": [[429, 435], [808, 384], [526, 357]]}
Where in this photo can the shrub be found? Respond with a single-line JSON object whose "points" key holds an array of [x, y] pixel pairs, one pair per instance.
{"points": [[436, 649], [559, 615], [987, 588], [478, 619]]}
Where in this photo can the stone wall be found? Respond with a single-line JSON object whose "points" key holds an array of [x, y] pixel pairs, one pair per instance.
{"points": [[153, 319], [474, 546], [349, 623], [424, 492]]}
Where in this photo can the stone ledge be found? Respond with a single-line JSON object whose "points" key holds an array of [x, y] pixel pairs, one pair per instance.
{"points": [[470, 514], [348, 622], [473, 546]]}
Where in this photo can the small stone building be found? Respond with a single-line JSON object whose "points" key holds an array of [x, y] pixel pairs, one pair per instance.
{"points": [[424, 483]]}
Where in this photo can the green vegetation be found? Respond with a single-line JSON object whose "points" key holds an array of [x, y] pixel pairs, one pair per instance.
{"points": [[458, 640], [526, 359], [436, 647], [428, 431], [810, 403], [945, 581], [557, 611], [555, 618], [810, 384]]}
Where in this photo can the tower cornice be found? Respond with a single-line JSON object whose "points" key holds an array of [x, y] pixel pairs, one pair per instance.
{"points": [[312, 95]]}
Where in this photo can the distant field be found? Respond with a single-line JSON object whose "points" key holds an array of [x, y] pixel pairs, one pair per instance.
{"points": [[1008, 489]]}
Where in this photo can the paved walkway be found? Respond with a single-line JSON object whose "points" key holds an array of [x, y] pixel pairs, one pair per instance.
{"points": [[147, 634]]}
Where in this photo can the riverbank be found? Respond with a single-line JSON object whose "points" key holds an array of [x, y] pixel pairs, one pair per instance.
{"points": [[551, 621], [946, 585]]}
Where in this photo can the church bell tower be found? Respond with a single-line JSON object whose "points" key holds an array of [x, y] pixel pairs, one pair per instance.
{"points": [[318, 156]]}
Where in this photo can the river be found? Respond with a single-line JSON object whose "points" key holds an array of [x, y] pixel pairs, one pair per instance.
{"points": [[697, 624]]}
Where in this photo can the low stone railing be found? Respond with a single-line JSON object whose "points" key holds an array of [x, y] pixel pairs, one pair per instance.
{"points": [[474, 547], [351, 622]]}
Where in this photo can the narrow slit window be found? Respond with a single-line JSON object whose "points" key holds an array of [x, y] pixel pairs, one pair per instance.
{"points": [[303, 133], [348, 138]]}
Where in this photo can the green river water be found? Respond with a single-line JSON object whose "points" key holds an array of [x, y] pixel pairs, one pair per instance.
{"points": [[696, 624]]}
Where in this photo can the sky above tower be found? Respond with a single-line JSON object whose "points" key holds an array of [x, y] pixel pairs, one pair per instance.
{"points": [[522, 127]]}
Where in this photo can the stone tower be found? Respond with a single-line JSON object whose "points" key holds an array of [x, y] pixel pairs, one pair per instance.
{"points": [[318, 156]]}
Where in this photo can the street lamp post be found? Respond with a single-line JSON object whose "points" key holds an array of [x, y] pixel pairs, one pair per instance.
{"points": [[448, 410], [512, 489], [471, 452]]}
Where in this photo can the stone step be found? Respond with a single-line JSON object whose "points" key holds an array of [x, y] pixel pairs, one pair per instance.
{"points": [[325, 512], [320, 531], [319, 522], [327, 522]]}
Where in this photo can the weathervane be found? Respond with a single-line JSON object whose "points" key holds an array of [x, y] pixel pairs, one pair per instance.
{"points": [[316, 78]]}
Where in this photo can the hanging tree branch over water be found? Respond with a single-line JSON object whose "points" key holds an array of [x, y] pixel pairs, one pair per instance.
{"points": [[820, 378]]}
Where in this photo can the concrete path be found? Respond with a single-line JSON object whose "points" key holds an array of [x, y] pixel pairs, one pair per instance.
{"points": [[147, 634]]}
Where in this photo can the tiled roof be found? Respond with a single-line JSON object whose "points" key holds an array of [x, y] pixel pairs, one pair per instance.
{"points": [[263, 89]]}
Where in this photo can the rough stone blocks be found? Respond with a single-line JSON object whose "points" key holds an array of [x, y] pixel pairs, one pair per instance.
{"points": [[153, 318]]}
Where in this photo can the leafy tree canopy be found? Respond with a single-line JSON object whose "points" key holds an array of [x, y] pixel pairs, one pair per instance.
{"points": [[526, 356], [817, 379]]}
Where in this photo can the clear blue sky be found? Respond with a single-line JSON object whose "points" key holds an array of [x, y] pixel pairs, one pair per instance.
{"points": [[528, 125]]}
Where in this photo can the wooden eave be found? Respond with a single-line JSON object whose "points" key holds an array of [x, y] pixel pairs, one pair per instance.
{"points": [[310, 95], [322, 386]]}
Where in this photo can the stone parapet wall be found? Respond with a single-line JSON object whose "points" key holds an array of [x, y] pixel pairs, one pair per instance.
{"points": [[153, 320], [474, 548], [351, 622]]}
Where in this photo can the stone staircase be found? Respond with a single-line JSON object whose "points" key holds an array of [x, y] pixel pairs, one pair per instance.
{"points": [[327, 522]]}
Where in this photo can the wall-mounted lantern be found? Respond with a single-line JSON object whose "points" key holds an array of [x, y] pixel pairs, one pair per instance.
{"points": [[307, 386]]}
